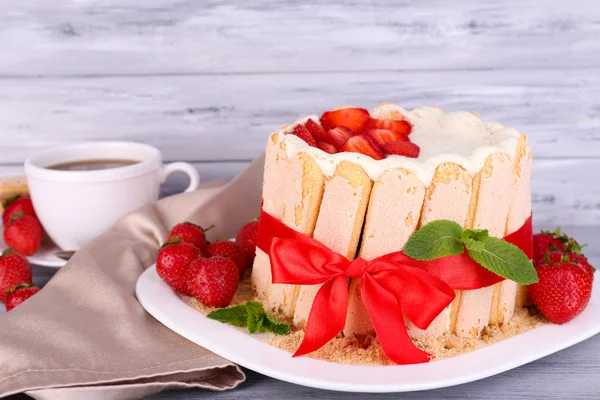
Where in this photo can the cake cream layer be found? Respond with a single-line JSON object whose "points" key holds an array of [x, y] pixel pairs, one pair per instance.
{"points": [[457, 137], [481, 181]]}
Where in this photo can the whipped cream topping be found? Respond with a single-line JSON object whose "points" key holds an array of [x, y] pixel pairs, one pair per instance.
{"points": [[457, 137]]}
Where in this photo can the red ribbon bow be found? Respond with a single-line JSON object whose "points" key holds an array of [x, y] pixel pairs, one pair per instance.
{"points": [[392, 286]]}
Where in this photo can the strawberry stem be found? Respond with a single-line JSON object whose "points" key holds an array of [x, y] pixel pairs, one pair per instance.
{"points": [[16, 216], [7, 251], [208, 229], [547, 258]]}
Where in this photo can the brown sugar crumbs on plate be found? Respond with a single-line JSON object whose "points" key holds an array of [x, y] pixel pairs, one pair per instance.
{"points": [[368, 351]]}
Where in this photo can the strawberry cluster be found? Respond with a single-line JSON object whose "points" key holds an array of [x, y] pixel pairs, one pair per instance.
{"points": [[209, 272], [23, 233], [565, 277], [353, 130], [22, 229]]}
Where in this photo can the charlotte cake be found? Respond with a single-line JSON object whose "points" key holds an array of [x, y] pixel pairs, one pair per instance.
{"points": [[363, 188]]}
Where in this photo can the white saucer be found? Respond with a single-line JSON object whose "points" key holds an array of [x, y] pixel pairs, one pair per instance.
{"points": [[44, 257], [242, 348]]}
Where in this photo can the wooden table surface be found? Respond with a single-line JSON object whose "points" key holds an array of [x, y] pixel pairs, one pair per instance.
{"points": [[206, 82]]}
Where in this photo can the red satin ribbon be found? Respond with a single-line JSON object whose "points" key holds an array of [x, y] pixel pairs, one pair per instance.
{"points": [[392, 286]]}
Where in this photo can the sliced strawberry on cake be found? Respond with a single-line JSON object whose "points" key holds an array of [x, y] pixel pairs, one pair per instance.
{"points": [[395, 125], [407, 149], [382, 136], [316, 131], [303, 133], [327, 148], [338, 136], [363, 144], [355, 119]]}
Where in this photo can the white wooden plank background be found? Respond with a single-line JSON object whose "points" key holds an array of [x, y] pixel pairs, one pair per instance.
{"points": [[208, 81], [174, 36]]}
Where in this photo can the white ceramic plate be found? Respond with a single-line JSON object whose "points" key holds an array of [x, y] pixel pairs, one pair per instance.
{"points": [[44, 257], [243, 349]]}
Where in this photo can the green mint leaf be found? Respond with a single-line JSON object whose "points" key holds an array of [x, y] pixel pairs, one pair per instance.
{"points": [[474, 245], [272, 325], [252, 315], [436, 239], [479, 235], [256, 316], [236, 315], [504, 259]]}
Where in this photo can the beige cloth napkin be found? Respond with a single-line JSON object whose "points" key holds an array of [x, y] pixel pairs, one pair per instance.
{"points": [[86, 336]]}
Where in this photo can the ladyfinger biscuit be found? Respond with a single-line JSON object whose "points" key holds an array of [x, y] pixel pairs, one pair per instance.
{"points": [[301, 203], [274, 184], [339, 223], [450, 181], [492, 196], [506, 293], [392, 216]]}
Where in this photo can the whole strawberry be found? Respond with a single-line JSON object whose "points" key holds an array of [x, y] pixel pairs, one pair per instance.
{"points": [[230, 250], [16, 205], [24, 234], [189, 233], [173, 261], [213, 281], [543, 242], [19, 294], [14, 270], [563, 290], [247, 237]]}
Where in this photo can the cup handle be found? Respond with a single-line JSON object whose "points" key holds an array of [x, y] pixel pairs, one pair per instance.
{"points": [[189, 169]]}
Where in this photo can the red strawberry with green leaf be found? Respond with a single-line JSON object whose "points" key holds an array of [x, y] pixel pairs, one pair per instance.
{"points": [[14, 270], [544, 242], [18, 294], [15, 205], [24, 233], [559, 256], [189, 233], [231, 250], [213, 281], [174, 259], [247, 237], [564, 288]]}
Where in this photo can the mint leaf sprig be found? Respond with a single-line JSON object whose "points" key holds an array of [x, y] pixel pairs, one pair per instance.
{"points": [[443, 238], [252, 314]]}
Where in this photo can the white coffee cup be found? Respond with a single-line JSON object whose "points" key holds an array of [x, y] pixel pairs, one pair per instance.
{"points": [[75, 206]]}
